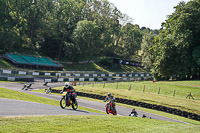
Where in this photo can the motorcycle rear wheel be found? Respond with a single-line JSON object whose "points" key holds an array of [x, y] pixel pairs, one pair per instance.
{"points": [[107, 108], [62, 103]]}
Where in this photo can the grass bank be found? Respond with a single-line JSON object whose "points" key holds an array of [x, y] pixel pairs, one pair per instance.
{"points": [[92, 124], [150, 94]]}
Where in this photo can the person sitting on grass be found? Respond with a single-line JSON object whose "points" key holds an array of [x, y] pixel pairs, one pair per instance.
{"points": [[133, 113]]}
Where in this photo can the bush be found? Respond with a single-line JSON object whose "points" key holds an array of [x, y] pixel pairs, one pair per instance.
{"points": [[106, 63]]}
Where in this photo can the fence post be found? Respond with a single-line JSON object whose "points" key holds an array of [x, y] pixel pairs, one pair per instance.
{"points": [[93, 85], [174, 93], [104, 85], [129, 87], [159, 91], [117, 86], [144, 88]]}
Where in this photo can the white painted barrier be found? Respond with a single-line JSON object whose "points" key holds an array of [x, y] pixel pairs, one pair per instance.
{"points": [[11, 78], [68, 74], [81, 79], [91, 79], [86, 75], [77, 75], [60, 79], [100, 79], [124, 75], [22, 73], [7, 71], [47, 74], [35, 73], [71, 79], [47, 80], [94, 75], [103, 75]]}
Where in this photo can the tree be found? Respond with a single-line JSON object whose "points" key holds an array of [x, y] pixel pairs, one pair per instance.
{"points": [[130, 40], [86, 36], [175, 47]]}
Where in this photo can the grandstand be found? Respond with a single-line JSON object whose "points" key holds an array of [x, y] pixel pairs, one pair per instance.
{"points": [[32, 62]]}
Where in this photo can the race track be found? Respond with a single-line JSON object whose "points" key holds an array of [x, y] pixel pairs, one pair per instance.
{"points": [[9, 107], [41, 109]]}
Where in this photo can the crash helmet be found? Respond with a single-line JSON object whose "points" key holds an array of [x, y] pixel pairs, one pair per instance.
{"points": [[109, 94], [67, 84]]}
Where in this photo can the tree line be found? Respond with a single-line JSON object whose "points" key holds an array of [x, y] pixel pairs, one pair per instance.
{"points": [[68, 29], [74, 30], [175, 52]]}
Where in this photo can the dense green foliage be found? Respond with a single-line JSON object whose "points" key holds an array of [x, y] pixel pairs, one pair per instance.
{"points": [[175, 52], [67, 29], [74, 30]]}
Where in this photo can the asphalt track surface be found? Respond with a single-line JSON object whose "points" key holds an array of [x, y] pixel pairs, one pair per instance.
{"points": [[20, 108]]}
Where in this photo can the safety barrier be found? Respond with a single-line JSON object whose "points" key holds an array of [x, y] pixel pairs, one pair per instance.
{"points": [[72, 74], [146, 105]]}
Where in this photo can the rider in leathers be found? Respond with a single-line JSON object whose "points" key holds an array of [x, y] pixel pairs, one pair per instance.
{"points": [[110, 99], [69, 90]]}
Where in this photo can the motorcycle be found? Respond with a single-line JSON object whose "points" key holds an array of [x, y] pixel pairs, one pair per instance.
{"points": [[48, 90], [112, 111], [27, 86], [69, 101]]}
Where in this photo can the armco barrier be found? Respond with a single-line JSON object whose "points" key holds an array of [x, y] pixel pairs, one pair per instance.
{"points": [[24, 79], [79, 74], [146, 105]]}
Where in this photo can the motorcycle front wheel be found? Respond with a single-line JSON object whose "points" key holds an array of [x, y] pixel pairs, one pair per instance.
{"points": [[74, 104], [62, 103]]}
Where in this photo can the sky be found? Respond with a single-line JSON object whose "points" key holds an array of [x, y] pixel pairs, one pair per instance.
{"points": [[148, 13]]}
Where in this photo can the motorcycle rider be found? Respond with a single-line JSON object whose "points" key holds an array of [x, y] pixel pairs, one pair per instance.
{"points": [[133, 113], [69, 89], [111, 99]]}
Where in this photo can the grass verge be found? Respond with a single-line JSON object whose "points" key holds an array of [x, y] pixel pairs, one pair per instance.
{"points": [[11, 94], [165, 98], [91, 124], [139, 108]]}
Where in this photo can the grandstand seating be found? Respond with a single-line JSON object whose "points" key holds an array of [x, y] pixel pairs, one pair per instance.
{"points": [[17, 59], [32, 62], [48, 61]]}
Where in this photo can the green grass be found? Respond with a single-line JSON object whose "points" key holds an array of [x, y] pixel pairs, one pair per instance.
{"points": [[100, 68], [5, 64], [82, 67], [151, 95], [92, 124], [182, 88], [139, 108], [11, 94], [150, 111]]}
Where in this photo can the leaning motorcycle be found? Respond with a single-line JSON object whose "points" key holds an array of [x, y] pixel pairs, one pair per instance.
{"points": [[112, 111], [69, 101]]}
